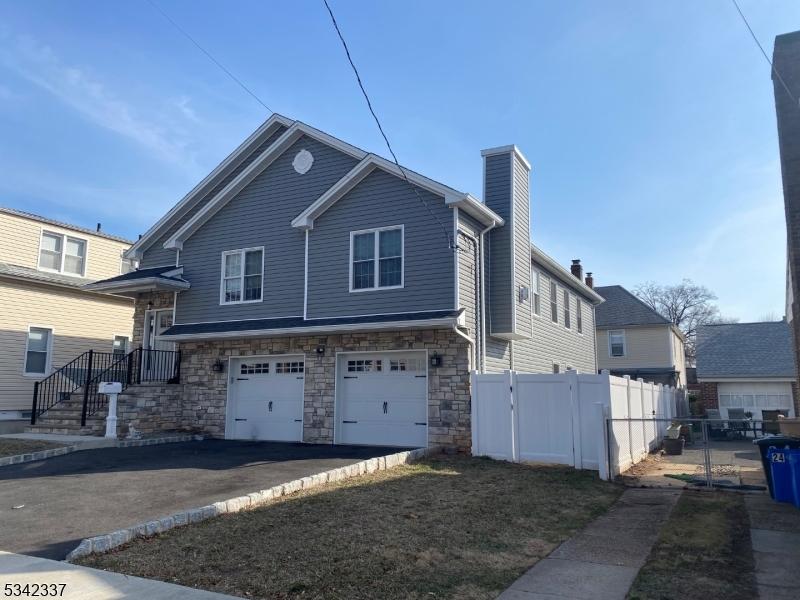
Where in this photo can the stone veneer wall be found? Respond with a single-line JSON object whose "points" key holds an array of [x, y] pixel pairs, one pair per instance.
{"points": [[153, 408], [159, 300], [448, 386]]}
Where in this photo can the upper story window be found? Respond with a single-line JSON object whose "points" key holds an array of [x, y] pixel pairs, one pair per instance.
{"points": [[567, 314], [376, 259], [242, 276], [616, 343], [62, 253], [579, 315], [553, 302], [127, 265], [537, 295]]}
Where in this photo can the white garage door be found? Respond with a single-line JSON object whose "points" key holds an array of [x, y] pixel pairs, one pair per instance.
{"points": [[266, 398], [382, 399], [755, 397]]}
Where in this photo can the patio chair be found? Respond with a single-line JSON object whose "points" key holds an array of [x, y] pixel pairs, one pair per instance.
{"points": [[738, 423], [716, 430], [770, 420]]}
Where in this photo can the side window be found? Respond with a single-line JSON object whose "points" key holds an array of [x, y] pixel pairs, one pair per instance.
{"points": [[376, 259], [579, 315], [567, 315], [537, 296], [120, 345], [37, 351], [242, 276], [553, 302], [616, 343], [62, 253]]}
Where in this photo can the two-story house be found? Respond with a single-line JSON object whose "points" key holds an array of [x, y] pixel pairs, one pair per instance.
{"points": [[47, 318], [319, 293], [633, 339]]}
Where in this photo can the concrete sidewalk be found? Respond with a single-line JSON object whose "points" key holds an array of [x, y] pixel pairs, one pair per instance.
{"points": [[775, 536], [90, 584], [601, 561]]}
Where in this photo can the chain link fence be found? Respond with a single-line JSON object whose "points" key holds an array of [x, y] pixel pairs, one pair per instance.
{"points": [[680, 452]]}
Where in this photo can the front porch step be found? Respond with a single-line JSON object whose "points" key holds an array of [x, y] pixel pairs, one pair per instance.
{"points": [[65, 429]]}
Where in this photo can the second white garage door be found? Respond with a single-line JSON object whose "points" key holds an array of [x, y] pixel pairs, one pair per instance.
{"points": [[382, 399], [266, 398]]}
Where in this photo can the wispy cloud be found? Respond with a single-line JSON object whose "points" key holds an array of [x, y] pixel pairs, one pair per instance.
{"points": [[85, 93], [183, 106]]}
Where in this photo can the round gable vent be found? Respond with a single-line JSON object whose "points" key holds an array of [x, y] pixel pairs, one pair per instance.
{"points": [[303, 161]]}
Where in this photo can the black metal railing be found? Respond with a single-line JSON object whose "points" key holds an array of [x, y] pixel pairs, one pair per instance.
{"points": [[91, 368]]}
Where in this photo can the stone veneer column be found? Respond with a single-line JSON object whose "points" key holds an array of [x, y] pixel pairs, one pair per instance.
{"points": [[448, 385]]}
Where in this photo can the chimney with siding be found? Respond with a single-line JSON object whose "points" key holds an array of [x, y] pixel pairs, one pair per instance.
{"points": [[506, 174], [577, 269]]}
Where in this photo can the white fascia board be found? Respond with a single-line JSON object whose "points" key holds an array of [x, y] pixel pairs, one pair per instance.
{"points": [[565, 276], [436, 323], [505, 150], [289, 137], [240, 153], [475, 208]]}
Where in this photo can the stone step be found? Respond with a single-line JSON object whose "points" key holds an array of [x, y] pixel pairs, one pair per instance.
{"points": [[62, 430]]}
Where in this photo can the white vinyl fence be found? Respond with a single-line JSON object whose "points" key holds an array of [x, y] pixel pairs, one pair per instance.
{"points": [[562, 418]]}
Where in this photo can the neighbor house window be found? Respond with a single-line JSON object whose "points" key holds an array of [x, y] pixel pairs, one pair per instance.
{"points": [[127, 265], [616, 343], [579, 315], [37, 352], [376, 259], [537, 296], [567, 315], [242, 276], [553, 302], [120, 345], [62, 253]]}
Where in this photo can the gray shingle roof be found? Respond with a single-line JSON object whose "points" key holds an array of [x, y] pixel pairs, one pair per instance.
{"points": [[745, 350], [18, 272], [27, 215], [622, 308]]}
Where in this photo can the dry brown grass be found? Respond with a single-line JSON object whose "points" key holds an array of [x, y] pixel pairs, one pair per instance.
{"points": [[12, 447], [703, 552], [450, 527]]}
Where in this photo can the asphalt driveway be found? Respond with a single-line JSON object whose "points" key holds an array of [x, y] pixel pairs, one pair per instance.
{"points": [[68, 498]]}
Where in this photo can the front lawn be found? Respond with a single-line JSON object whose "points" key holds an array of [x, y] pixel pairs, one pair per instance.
{"points": [[448, 527], [13, 446], [703, 552]]}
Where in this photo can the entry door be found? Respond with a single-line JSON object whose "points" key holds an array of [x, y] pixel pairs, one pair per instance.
{"points": [[158, 322], [157, 366], [266, 396], [383, 399]]}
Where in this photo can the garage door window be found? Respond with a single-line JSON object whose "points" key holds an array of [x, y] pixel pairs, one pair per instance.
{"points": [[405, 364], [289, 367], [255, 368], [364, 366]]}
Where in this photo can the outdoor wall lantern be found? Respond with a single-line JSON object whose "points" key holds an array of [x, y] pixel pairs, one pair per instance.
{"points": [[321, 350], [218, 366], [436, 360]]}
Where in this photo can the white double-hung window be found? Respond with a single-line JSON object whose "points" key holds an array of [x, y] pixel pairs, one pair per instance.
{"points": [[616, 343], [242, 276], [37, 350], [62, 253], [376, 259]]}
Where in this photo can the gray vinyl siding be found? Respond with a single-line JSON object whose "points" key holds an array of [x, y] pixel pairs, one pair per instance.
{"points": [[498, 355], [382, 200], [260, 215], [522, 248], [469, 282], [553, 342], [469, 224], [156, 255], [497, 195]]}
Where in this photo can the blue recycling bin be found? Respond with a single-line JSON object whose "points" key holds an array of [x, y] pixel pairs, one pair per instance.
{"points": [[774, 442], [794, 467], [780, 466]]}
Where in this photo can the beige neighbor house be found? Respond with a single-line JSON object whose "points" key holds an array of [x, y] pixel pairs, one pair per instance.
{"points": [[634, 340], [46, 318]]}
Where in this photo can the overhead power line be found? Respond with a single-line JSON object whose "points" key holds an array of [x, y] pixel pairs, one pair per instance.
{"points": [[766, 56], [208, 54], [450, 241]]}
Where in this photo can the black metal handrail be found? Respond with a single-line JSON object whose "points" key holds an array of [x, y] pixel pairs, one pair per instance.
{"points": [[91, 368]]}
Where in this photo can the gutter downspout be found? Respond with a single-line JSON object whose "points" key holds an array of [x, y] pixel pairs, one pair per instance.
{"points": [[483, 299], [465, 336]]}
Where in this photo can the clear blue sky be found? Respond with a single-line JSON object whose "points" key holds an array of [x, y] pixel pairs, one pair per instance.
{"points": [[650, 125]]}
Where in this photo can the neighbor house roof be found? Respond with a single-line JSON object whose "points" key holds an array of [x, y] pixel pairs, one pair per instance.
{"points": [[161, 278], [295, 325], [55, 223], [745, 350], [621, 309], [28, 274], [540, 256]]}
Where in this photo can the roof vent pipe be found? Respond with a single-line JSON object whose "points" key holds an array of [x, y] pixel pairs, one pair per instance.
{"points": [[98, 227]]}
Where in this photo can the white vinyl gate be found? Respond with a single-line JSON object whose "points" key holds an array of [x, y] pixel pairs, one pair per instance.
{"points": [[561, 418]]}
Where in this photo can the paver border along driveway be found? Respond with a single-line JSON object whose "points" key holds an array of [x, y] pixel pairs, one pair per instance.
{"points": [[75, 496]]}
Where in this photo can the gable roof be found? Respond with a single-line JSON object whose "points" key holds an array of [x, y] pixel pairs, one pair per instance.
{"points": [[742, 350], [622, 308], [61, 224], [198, 192], [565, 276]]}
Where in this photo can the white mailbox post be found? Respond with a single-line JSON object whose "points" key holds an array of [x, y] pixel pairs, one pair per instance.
{"points": [[111, 389]]}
